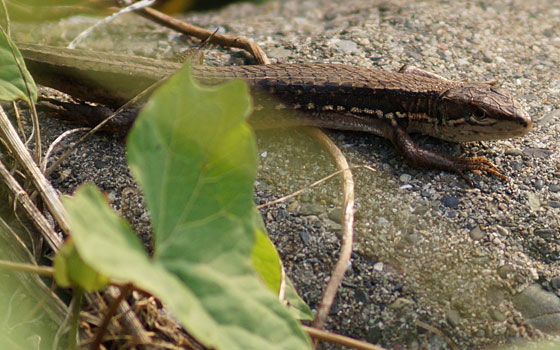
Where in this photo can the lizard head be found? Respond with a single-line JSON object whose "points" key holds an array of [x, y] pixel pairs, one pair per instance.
{"points": [[480, 111]]}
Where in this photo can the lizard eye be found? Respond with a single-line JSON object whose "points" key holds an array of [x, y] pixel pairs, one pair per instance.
{"points": [[479, 114], [479, 117]]}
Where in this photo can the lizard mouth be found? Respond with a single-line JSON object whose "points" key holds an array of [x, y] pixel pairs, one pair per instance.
{"points": [[502, 129], [514, 126]]}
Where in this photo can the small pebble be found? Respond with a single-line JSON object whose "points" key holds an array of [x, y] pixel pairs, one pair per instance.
{"points": [[405, 177], [539, 184], [305, 237], [335, 214], [450, 201], [476, 234], [453, 317], [555, 283]]}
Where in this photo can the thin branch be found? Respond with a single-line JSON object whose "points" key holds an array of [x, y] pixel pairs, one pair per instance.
{"points": [[340, 339], [75, 307], [22, 267], [203, 34], [124, 292], [129, 319], [347, 224]]}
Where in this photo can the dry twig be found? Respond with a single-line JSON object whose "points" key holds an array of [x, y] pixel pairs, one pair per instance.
{"points": [[434, 330], [340, 339], [348, 223], [203, 34], [113, 306], [129, 318], [59, 139]]}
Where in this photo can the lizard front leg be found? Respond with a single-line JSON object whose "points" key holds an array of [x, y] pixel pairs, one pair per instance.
{"points": [[420, 157]]}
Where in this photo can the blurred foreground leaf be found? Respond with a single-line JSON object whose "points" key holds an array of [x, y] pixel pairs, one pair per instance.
{"points": [[195, 158], [71, 271]]}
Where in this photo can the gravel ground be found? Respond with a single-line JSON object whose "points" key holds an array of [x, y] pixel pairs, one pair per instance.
{"points": [[436, 262]]}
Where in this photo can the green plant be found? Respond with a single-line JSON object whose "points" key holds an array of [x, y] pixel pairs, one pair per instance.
{"points": [[195, 158]]}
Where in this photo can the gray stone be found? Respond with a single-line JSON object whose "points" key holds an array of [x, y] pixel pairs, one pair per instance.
{"points": [[335, 214], [539, 307], [450, 201], [476, 234], [539, 184], [505, 270], [497, 315], [405, 177], [346, 46], [534, 202], [310, 209], [280, 52], [555, 283], [305, 237], [453, 317]]}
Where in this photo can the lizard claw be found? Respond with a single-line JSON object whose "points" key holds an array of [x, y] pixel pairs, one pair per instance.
{"points": [[481, 164]]}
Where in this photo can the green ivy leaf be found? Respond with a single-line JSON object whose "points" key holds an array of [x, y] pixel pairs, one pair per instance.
{"points": [[195, 158]]}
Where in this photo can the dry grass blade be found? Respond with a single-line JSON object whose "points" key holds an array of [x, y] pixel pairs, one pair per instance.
{"points": [[55, 143], [203, 34], [32, 211], [347, 224], [47, 192], [310, 186]]}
